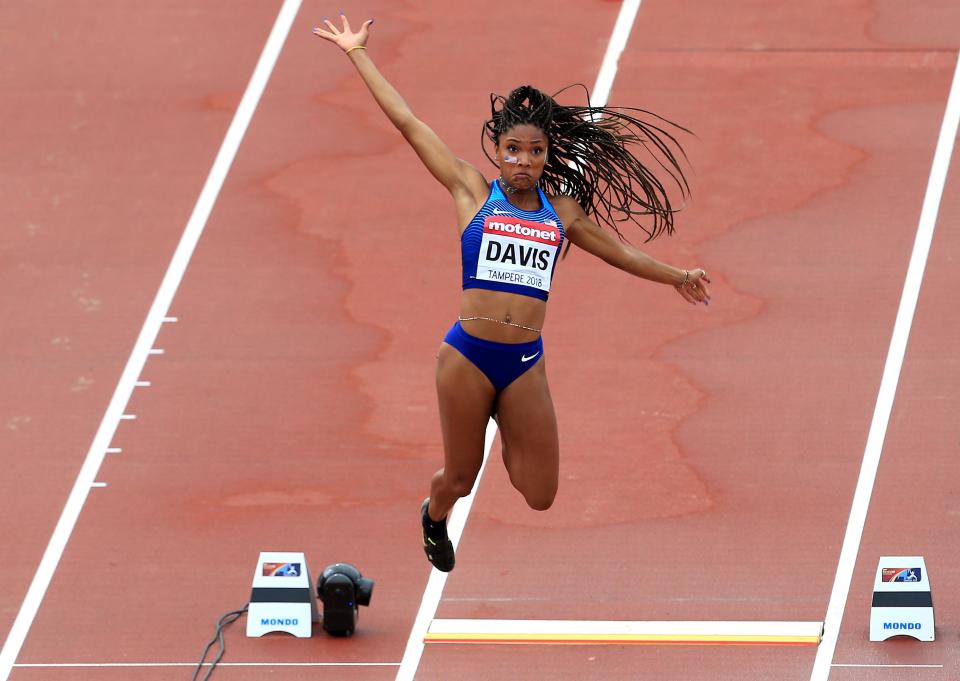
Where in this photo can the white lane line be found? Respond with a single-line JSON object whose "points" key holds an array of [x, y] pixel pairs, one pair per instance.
{"points": [[81, 665], [437, 580], [148, 334], [615, 48], [157, 351], [892, 666], [578, 632], [888, 384], [113, 450], [142, 384], [169, 320]]}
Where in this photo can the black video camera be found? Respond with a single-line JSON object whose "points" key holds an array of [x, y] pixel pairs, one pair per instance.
{"points": [[342, 590]]}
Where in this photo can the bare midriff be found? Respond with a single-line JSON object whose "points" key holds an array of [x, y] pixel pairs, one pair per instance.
{"points": [[505, 308]]}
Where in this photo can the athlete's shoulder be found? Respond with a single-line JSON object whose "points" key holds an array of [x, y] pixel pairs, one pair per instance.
{"points": [[560, 199], [566, 206], [474, 181]]}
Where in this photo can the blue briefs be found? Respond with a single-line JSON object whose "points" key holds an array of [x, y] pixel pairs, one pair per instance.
{"points": [[502, 363]]}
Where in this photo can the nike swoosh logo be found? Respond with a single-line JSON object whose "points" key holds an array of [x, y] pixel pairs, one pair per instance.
{"points": [[497, 211], [524, 358]]}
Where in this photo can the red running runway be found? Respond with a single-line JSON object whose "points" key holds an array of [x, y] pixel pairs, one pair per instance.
{"points": [[709, 455]]}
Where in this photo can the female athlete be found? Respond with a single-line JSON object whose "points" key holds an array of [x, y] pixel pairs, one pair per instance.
{"points": [[491, 362]]}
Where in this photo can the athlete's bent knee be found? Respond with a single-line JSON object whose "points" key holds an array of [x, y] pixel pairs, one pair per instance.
{"points": [[460, 486], [540, 502]]}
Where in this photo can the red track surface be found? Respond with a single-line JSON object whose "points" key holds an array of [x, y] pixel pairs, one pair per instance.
{"points": [[709, 456]]}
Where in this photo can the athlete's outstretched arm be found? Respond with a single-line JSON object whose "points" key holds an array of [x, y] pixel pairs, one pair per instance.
{"points": [[589, 236], [453, 173]]}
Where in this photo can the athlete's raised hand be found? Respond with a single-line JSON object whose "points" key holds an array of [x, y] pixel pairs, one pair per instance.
{"points": [[692, 287], [344, 37]]}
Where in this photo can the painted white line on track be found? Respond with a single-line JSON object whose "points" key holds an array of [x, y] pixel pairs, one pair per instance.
{"points": [[142, 384], [892, 666], [888, 384], [83, 665], [615, 48], [114, 450], [168, 320], [156, 351], [148, 334], [617, 632], [437, 579], [458, 517]]}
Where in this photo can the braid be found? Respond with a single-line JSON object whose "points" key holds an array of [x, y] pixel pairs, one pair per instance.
{"points": [[589, 158]]}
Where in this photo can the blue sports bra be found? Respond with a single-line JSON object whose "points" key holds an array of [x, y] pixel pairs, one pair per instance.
{"points": [[508, 249]]}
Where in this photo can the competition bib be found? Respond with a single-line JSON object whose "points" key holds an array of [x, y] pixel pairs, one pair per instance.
{"points": [[517, 251]]}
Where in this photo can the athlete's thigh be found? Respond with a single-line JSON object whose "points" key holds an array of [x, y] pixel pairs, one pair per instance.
{"points": [[528, 424], [465, 397]]}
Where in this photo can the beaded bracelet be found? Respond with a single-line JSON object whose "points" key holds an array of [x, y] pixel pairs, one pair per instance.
{"points": [[686, 276], [356, 47]]}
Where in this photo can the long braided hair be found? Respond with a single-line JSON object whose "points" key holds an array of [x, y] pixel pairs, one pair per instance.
{"points": [[589, 156]]}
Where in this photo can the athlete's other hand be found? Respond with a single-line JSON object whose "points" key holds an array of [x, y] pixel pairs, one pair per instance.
{"points": [[693, 290], [344, 37]]}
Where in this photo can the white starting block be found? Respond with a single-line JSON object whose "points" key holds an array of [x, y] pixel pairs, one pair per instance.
{"points": [[902, 602], [283, 598]]}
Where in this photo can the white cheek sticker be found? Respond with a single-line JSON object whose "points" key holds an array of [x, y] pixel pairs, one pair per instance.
{"points": [[517, 251], [511, 159]]}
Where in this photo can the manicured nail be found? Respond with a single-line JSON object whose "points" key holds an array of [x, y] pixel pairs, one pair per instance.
{"points": [[371, 21]]}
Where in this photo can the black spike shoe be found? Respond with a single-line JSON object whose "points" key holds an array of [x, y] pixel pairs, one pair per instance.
{"points": [[436, 543]]}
